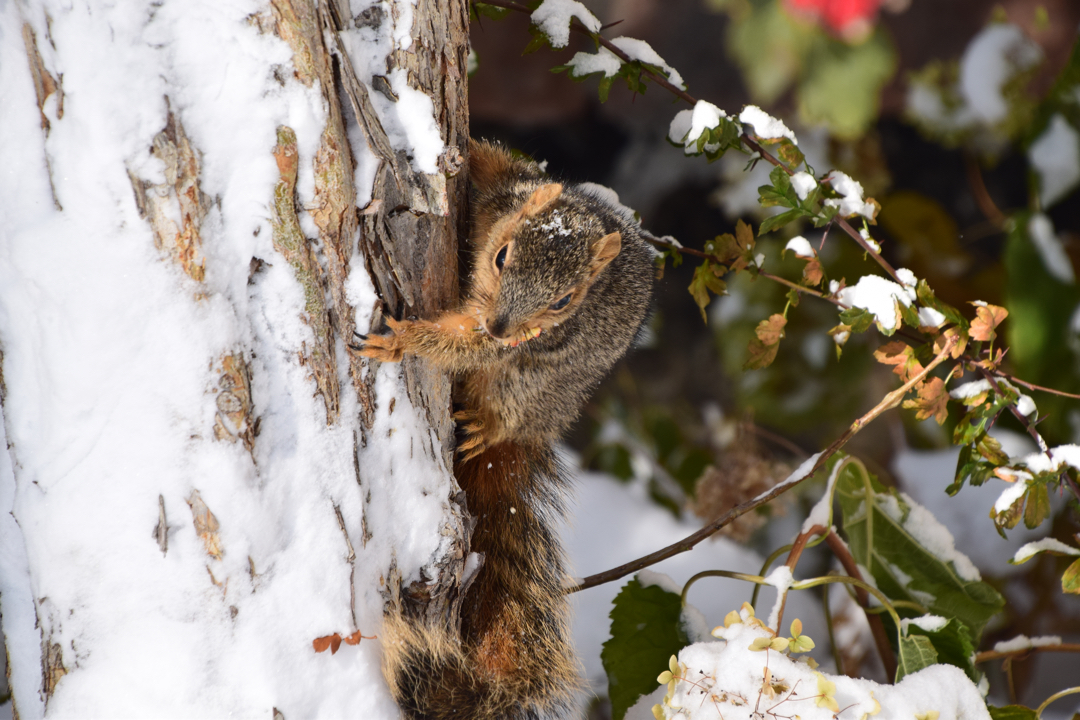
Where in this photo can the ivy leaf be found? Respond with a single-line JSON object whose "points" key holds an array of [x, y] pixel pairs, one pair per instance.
{"points": [[646, 630], [766, 342], [706, 278], [932, 401], [953, 645], [987, 317]]}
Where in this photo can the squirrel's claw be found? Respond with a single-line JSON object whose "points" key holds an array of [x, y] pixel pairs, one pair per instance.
{"points": [[472, 441]]}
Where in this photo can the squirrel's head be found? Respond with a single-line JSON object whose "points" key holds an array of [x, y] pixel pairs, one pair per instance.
{"points": [[537, 266]]}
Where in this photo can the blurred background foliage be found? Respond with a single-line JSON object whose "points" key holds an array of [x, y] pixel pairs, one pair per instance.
{"points": [[960, 116]]}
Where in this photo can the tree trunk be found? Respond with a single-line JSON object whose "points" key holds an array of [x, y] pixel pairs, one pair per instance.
{"points": [[200, 481]]}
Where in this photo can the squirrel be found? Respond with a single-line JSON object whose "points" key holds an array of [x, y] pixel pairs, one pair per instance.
{"points": [[560, 286]]}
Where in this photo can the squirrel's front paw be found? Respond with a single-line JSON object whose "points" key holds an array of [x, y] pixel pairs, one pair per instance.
{"points": [[471, 440], [385, 348]]}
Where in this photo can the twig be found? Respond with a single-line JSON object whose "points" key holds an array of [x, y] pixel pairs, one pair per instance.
{"points": [[1024, 652], [888, 402]]}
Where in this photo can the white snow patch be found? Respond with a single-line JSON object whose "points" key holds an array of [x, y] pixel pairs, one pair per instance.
{"points": [[642, 52], [1055, 155], [991, 59], [410, 122], [971, 389], [851, 201], [604, 61], [929, 317], [1023, 642], [800, 246], [766, 126], [1032, 549], [781, 579], [1054, 258], [553, 17], [929, 623], [804, 184], [878, 296], [733, 676], [648, 578]]}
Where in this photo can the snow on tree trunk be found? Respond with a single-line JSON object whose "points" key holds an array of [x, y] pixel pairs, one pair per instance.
{"points": [[200, 480]]}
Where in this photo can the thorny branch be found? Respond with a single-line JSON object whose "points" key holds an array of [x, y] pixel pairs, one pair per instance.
{"points": [[889, 401]]}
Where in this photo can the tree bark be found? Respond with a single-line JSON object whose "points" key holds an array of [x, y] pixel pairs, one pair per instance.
{"points": [[191, 509]]}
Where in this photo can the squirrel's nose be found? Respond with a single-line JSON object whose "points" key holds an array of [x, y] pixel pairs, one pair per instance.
{"points": [[496, 327]]}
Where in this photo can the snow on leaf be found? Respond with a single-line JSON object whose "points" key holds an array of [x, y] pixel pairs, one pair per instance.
{"points": [[642, 52], [766, 126], [553, 17]]}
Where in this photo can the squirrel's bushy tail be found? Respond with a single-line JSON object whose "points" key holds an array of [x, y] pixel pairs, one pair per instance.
{"points": [[512, 658]]}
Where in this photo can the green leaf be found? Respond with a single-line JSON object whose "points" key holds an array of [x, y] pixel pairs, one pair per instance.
{"points": [[646, 630], [776, 221], [875, 521], [926, 297], [953, 645], [915, 653], [1012, 712], [859, 319], [491, 11]]}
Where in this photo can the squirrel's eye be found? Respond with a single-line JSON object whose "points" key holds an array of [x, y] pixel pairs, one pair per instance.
{"points": [[500, 257], [561, 303]]}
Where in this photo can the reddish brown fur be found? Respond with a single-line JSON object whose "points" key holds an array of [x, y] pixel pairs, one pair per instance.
{"points": [[524, 364]]}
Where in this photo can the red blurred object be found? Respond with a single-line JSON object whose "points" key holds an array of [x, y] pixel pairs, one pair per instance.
{"points": [[851, 19]]}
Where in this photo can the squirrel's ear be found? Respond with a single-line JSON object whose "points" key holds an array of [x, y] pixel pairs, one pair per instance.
{"points": [[541, 199], [488, 163], [604, 251]]}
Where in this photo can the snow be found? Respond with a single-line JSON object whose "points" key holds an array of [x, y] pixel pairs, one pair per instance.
{"points": [[929, 317], [688, 125], [800, 246], [648, 578], [410, 122], [604, 61], [804, 184], [851, 201], [821, 513], [796, 475], [1055, 156], [971, 389], [929, 623], [615, 523], [112, 363], [1023, 642], [642, 52], [766, 126], [726, 680], [1032, 549], [1054, 258], [782, 580], [928, 531], [553, 17], [877, 295], [1012, 493], [996, 54], [906, 276]]}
